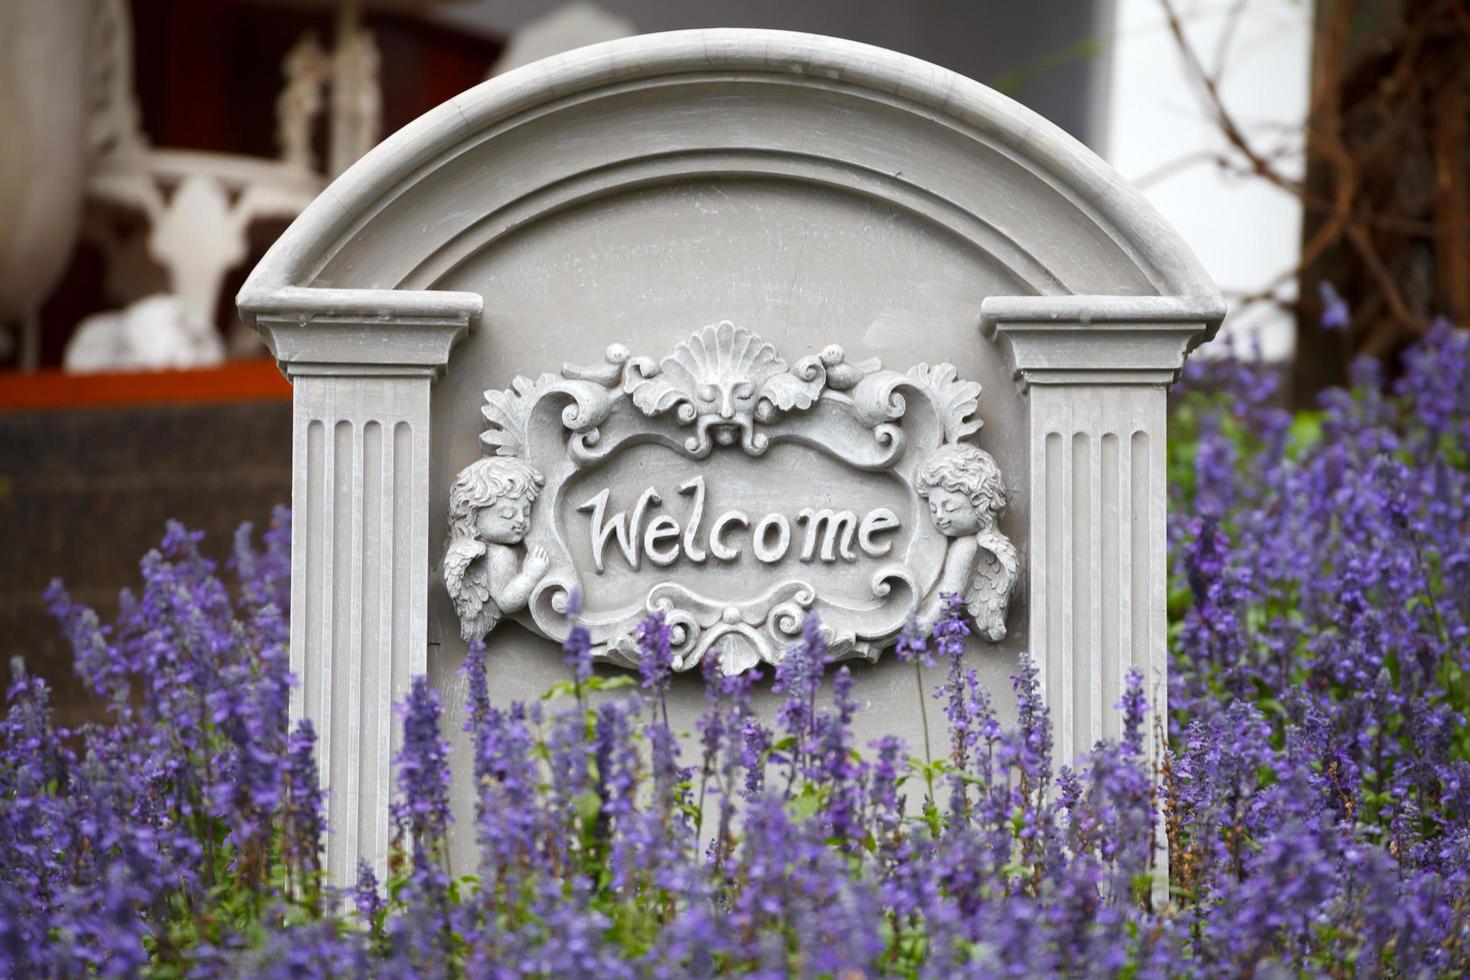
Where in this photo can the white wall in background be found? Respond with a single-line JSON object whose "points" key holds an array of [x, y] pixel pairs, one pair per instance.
{"points": [[1158, 132]]}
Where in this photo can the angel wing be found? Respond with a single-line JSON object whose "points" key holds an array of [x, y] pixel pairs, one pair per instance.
{"points": [[996, 569], [468, 583]]}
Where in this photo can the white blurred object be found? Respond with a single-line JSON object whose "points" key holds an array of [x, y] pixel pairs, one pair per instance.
{"points": [[198, 207], [307, 69], [43, 153], [156, 333], [574, 25], [357, 98]]}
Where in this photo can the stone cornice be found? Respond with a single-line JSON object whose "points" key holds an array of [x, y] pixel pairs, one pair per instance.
{"points": [[360, 332], [1103, 340]]}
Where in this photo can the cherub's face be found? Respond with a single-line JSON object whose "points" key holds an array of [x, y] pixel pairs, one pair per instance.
{"points": [[505, 521], [953, 513]]}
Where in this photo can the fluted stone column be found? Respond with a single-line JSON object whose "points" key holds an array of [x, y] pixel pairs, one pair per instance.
{"points": [[361, 364], [1096, 370]]}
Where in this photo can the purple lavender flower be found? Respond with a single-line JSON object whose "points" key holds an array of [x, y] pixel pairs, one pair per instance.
{"points": [[367, 896], [304, 827], [913, 645], [1335, 312], [421, 814], [508, 814], [656, 660], [619, 768], [577, 648], [799, 677]]}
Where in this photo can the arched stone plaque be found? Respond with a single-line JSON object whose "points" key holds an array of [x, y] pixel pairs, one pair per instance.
{"points": [[750, 274]]}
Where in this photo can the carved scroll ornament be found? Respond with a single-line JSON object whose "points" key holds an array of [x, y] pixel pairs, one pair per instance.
{"points": [[735, 493]]}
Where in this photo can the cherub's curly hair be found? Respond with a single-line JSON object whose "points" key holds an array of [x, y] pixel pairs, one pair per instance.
{"points": [[966, 469], [485, 481]]}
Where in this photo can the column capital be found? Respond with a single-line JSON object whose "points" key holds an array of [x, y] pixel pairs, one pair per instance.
{"points": [[1099, 340], [360, 332]]}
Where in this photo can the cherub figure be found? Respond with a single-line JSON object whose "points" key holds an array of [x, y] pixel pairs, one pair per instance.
{"points": [[966, 498], [489, 514]]}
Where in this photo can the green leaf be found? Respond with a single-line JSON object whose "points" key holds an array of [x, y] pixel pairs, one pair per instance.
{"points": [[616, 683], [804, 806], [560, 689]]}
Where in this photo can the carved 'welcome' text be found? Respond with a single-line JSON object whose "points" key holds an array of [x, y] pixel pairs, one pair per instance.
{"points": [[812, 534]]}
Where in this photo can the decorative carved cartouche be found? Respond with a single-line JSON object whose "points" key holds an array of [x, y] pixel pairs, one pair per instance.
{"points": [[826, 486]]}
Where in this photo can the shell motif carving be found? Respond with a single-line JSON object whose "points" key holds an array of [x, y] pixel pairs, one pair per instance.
{"points": [[722, 380]]}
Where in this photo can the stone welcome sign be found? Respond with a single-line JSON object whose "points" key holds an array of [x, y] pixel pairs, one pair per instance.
{"points": [[736, 325]]}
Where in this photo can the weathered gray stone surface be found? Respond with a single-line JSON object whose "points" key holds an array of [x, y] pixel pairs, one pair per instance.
{"points": [[808, 191]]}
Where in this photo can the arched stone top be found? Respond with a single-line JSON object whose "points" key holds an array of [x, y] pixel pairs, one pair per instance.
{"points": [[717, 104]]}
